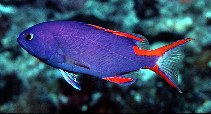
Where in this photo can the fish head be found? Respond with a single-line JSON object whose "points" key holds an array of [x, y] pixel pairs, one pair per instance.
{"points": [[37, 41]]}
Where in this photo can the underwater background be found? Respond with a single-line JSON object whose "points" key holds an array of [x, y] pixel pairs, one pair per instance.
{"points": [[28, 85]]}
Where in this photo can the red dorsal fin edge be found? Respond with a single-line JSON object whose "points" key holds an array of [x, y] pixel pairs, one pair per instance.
{"points": [[118, 33]]}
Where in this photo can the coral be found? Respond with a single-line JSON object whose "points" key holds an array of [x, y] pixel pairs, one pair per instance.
{"points": [[205, 108], [35, 99], [119, 12], [11, 86]]}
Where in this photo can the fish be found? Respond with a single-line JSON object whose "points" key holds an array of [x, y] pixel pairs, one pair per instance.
{"points": [[78, 48]]}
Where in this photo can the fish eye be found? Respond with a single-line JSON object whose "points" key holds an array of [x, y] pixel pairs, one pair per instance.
{"points": [[28, 36]]}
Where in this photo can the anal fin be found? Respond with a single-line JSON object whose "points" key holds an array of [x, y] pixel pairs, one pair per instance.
{"points": [[120, 80]]}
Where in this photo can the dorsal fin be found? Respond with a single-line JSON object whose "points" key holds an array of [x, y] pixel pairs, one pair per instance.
{"points": [[144, 44], [118, 33]]}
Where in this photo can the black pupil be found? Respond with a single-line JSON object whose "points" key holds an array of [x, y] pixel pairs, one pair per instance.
{"points": [[28, 37]]}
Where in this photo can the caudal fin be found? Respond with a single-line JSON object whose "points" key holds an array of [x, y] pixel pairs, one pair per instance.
{"points": [[169, 59]]}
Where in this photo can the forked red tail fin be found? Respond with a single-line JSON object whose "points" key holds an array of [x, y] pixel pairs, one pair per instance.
{"points": [[169, 59]]}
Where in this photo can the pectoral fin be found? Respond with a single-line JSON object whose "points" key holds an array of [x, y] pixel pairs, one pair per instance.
{"points": [[76, 62], [71, 78]]}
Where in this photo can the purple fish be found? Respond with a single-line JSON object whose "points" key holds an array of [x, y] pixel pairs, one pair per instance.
{"points": [[75, 47]]}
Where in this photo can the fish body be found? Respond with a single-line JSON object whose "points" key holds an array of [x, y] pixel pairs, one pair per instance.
{"points": [[76, 47]]}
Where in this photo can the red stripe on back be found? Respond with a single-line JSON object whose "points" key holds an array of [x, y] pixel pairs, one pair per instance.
{"points": [[118, 33], [160, 73], [160, 51], [119, 80]]}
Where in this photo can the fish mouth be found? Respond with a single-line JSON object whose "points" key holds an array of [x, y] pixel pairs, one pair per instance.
{"points": [[19, 41], [22, 44]]}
